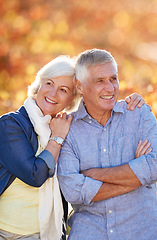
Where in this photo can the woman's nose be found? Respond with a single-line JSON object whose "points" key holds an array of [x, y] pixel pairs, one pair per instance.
{"points": [[53, 91]]}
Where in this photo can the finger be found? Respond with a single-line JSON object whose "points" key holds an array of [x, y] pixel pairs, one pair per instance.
{"points": [[64, 115], [141, 102], [128, 106], [132, 98], [70, 118], [127, 99], [148, 151], [139, 144], [142, 144], [58, 115], [143, 148], [134, 102]]}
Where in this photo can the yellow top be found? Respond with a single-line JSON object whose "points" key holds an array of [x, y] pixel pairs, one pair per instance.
{"points": [[19, 209]]}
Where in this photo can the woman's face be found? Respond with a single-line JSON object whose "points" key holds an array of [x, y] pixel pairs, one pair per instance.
{"points": [[55, 94]]}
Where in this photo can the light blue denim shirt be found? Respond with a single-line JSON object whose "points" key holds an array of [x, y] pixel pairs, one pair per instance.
{"points": [[131, 216]]}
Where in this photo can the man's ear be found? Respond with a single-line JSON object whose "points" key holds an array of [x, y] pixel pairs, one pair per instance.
{"points": [[78, 86]]}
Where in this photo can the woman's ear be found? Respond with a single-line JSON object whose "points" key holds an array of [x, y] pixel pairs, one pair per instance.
{"points": [[78, 86]]}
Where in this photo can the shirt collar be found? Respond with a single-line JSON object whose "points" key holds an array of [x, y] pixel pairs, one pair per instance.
{"points": [[82, 113], [119, 107]]}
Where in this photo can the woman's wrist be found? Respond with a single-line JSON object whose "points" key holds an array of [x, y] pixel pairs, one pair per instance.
{"points": [[58, 140]]}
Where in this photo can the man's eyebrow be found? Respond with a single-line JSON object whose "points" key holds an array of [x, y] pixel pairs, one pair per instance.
{"points": [[114, 75]]}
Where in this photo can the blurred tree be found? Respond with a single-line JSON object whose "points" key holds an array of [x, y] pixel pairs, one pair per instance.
{"points": [[33, 32]]}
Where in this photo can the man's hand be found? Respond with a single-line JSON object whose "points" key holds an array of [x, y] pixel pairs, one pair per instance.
{"points": [[143, 148], [116, 181], [95, 173]]}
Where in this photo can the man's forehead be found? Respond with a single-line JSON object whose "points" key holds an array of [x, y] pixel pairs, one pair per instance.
{"points": [[105, 69]]}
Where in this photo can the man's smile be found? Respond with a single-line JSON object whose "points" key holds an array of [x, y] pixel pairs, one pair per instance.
{"points": [[107, 97]]}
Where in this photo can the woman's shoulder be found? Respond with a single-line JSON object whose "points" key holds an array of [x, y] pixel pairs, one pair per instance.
{"points": [[17, 119], [20, 116], [18, 123]]}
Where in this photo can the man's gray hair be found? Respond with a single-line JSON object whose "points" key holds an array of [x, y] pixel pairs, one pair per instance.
{"points": [[90, 58]]}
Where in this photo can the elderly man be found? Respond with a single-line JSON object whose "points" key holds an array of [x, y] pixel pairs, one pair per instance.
{"points": [[106, 169]]}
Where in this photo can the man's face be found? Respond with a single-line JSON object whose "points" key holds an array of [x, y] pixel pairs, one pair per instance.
{"points": [[100, 91]]}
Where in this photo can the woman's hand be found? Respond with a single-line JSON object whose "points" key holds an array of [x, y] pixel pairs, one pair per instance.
{"points": [[60, 125], [134, 100], [143, 148]]}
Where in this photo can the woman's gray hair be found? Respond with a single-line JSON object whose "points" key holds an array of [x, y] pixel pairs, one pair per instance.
{"points": [[90, 58], [62, 65]]}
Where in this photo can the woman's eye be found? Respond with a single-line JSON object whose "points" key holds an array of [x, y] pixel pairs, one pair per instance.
{"points": [[63, 90], [49, 83]]}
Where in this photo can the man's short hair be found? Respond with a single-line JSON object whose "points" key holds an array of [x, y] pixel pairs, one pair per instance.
{"points": [[90, 58]]}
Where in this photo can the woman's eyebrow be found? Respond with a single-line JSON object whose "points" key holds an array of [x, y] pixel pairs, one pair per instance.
{"points": [[65, 87]]}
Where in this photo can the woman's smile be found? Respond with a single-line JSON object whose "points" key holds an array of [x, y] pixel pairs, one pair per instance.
{"points": [[50, 101]]}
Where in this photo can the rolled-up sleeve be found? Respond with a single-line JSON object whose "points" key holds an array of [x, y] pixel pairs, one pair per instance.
{"points": [[145, 167], [76, 188], [48, 158]]}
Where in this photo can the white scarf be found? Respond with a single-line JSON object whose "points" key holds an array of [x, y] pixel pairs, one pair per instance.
{"points": [[50, 201]]}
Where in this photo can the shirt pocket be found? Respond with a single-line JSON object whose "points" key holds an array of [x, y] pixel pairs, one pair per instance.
{"points": [[125, 148]]}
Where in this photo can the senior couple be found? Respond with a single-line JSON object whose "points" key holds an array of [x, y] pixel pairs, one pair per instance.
{"points": [[107, 166]]}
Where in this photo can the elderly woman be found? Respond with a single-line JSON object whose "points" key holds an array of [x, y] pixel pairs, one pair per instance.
{"points": [[30, 142], [31, 206]]}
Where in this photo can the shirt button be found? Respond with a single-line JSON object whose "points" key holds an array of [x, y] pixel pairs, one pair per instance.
{"points": [[111, 231], [104, 129], [110, 211], [90, 121], [104, 150]]}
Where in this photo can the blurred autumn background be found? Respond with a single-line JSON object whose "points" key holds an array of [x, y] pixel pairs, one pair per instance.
{"points": [[33, 32]]}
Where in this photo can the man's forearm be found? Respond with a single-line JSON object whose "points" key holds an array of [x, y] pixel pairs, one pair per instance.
{"points": [[120, 175], [108, 190]]}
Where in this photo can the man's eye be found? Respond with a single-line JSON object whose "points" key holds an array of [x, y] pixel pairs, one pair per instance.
{"points": [[100, 80], [114, 78]]}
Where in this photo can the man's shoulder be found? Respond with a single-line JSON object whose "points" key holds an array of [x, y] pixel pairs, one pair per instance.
{"points": [[122, 105]]}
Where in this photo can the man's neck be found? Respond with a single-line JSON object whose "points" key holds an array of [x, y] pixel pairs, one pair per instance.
{"points": [[102, 117]]}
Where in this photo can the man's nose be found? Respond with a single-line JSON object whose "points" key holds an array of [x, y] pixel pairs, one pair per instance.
{"points": [[109, 86]]}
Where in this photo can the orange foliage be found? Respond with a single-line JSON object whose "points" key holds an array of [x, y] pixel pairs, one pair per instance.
{"points": [[33, 32]]}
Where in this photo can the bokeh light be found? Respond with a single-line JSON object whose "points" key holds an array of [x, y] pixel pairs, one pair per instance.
{"points": [[33, 32]]}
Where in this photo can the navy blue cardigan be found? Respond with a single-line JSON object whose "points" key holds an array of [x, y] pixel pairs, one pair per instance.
{"points": [[18, 146]]}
